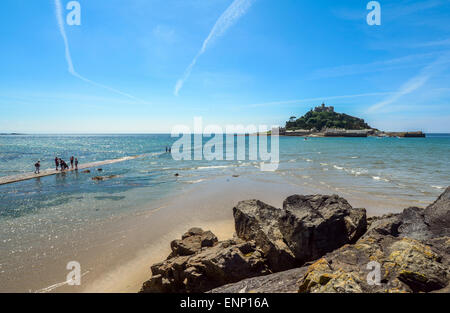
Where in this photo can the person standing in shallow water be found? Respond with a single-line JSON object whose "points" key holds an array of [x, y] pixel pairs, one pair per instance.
{"points": [[76, 164], [57, 163], [71, 162], [37, 166]]}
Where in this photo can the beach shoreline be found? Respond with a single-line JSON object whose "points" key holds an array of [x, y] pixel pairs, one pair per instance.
{"points": [[207, 205], [116, 255]]}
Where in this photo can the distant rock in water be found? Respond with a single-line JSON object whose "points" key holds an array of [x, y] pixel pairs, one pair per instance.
{"points": [[341, 248], [101, 178]]}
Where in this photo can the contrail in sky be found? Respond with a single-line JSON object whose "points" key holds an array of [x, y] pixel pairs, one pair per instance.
{"points": [[236, 10], [71, 69], [415, 82]]}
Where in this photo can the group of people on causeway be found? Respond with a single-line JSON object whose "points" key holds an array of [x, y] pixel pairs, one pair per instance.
{"points": [[59, 163], [63, 165]]}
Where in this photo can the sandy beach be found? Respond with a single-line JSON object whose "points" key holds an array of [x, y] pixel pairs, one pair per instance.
{"points": [[116, 256]]}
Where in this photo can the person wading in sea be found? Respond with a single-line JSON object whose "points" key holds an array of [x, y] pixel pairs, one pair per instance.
{"points": [[37, 167], [76, 164], [71, 161], [57, 163]]}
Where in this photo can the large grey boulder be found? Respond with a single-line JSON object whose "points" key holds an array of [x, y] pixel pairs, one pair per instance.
{"points": [[315, 225], [255, 220]]}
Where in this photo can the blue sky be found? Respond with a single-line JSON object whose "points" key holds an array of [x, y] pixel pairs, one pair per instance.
{"points": [[144, 66]]}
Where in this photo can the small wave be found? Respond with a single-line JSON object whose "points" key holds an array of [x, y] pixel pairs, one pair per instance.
{"points": [[212, 167], [358, 172], [324, 164], [437, 187], [338, 167], [354, 157], [195, 181], [308, 160], [379, 178]]}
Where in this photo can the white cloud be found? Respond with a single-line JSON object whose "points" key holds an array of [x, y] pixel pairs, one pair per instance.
{"points": [[236, 10], [321, 99], [415, 82], [412, 60], [71, 68]]}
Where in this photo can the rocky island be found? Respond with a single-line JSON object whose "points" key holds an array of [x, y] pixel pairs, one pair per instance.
{"points": [[323, 121], [313, 244]]}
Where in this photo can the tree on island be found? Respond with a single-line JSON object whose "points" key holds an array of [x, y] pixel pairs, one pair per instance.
{"points": [[325, 117]]}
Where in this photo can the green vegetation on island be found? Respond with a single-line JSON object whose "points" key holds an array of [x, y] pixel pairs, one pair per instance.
{"points": [[325, 117]]}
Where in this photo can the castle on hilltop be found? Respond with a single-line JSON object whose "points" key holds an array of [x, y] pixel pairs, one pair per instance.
{"points": [[324, 108]]}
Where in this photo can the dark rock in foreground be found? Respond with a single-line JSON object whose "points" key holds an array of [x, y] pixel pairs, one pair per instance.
{"points": [[305, 229], [282, 282], [405, 264], [315, 225], [255, 220], [197, 268], [346, 253]]}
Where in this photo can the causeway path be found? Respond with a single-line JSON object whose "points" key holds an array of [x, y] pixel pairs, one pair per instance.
{"points": [[26, 176]]}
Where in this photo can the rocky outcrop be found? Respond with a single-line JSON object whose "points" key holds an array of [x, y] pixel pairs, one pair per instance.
{"points": [[404, 264], [314, 244], [306, 228], [199, 263]]}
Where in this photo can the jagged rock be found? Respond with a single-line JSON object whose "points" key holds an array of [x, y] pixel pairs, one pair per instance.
{"points": [[192, 241], [209, 267], [315, 225], [417, 223], [320, 277], [281, 282], [255, 220], [417, 266], [406, 265], [437, 215], [383, 225]]}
